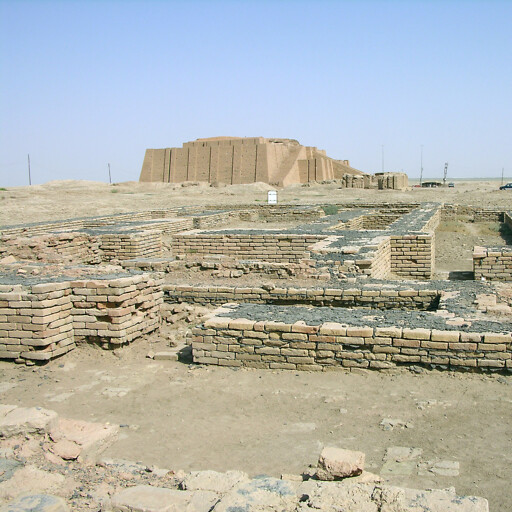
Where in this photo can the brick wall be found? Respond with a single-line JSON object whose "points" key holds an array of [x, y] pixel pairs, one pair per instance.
{"points": [[43, 321], [349, 297], [55, 248], [453, 211], [116, 311], [35, 322], [131, 244], [266, 247], [413, 256], [241, 342], [493, 264]]}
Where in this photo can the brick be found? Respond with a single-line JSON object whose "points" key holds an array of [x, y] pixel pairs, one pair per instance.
{"points": [[416, 334], [388, 332], [333, 328], [360, 332], [449, 336], [497, 338], [438, 345]]}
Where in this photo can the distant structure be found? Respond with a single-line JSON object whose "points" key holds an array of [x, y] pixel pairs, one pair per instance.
{"points": [[242, 160]]}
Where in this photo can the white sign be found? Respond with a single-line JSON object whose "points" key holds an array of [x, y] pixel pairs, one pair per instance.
{"points": [[272, 197]]}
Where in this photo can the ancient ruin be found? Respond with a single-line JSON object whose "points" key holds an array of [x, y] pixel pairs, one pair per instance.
{"points": [[346, 287], [354, 250], [242, 160]]}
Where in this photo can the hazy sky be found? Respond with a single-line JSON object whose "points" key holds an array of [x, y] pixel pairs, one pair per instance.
{"points": [[87, 83]]}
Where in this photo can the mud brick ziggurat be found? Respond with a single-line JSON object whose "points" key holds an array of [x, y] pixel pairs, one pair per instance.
{"points": [[237, 160]]}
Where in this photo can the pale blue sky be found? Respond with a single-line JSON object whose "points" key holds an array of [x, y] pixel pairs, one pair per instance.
{"points": [[87, 83]]}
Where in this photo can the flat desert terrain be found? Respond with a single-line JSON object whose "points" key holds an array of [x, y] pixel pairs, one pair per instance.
{"points": [[66, 199]]}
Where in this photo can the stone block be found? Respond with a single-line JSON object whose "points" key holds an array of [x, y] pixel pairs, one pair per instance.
{"points": [[26, 420], [337, 463], [90, 438], [416, 334]]}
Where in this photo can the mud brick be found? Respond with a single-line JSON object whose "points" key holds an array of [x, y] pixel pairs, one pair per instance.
{"points": [[302, 345], [241, 324], [378, 341], [248, 357], [353, 363], [450, 336], [492, 347], [230, 362], [359, 332], [350, 340], [416, 334], [391, 332], [434, 345], [322, 338], [301, 327], [470, 337], [255, 334], [497, 338], [206, 360], [295, 336], [491, 363], [405, 358], [266, 350], [400, 342], [277, 327], [300, 360], [386, 350]]}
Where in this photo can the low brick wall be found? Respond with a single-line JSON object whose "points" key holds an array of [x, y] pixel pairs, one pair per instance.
{"points": [[85, 223], [476, 214], [377, 298], [36, 323], [493, 264], [42, 321], [413, 256], [242, 342], [55, 248], [116, 311], [168, 226], [211, 220], [369, 221], [488, 216], [282, 213], [128, 245], [266, 247]]}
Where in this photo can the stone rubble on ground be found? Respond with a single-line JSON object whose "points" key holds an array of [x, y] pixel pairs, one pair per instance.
{"points": [[336, 463], [52, 464]]}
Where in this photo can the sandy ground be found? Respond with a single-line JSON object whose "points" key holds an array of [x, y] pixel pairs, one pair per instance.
{"points": [[193, 417]]}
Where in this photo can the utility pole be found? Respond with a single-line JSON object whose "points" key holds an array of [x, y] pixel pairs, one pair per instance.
{"points": [[421, 164], [109, 175], [29, 177], [502, 174], [382, 148]]}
